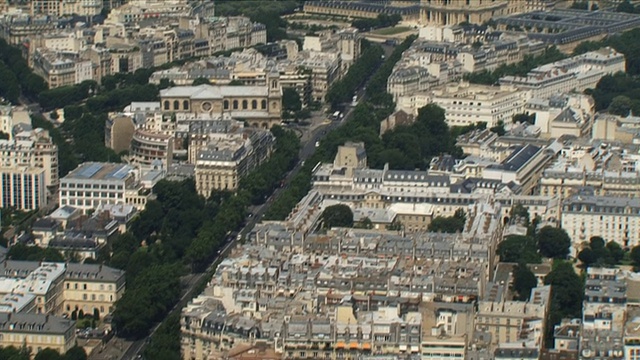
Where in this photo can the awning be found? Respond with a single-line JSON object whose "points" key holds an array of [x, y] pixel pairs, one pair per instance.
{"points": [[415, 348], [353, 345], [403, 347], [340, 345], [366, 346]]}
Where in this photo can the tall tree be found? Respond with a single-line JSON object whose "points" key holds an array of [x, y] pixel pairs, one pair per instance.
{"points": [[553, 242], [523, 281], [337, 216]]}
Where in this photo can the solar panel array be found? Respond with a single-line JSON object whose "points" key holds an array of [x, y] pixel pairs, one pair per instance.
{"points": [[89, 171]]}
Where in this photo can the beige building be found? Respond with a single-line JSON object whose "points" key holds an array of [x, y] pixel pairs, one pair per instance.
{"points": [[224, 161], [90, 287], [37, 332], [515, 322], [613, 218], [66, 7], [260, 106], [451, 12]]}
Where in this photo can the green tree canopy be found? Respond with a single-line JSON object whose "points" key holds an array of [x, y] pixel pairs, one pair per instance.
{"points": [[337, 216], [518, 248], [523, 281], [553, 242], [567, 289], [450, 224], [201, 81], [291, 99], [48, 354]]}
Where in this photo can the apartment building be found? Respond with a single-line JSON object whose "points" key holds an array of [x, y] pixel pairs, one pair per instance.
{"points": [[613, 218], [90, 287], [574, 74], [23, 188], [603, 315], [224, 161], [61, 69], [67, 7], [32, 148], [93, 184], [149, 148], [37, 332], [447, 330], [514, 324], [469, 104], [28, 166], [59, 288], [16, 28], [605, 170]]}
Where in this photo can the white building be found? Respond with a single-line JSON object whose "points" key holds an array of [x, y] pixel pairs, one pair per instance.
{"points": [[468, 104], [613, 218], [93, 184], [577, 73], [23, 188]]}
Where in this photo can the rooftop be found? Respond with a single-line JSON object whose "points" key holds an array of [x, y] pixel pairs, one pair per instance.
{"points": [[99, 171]]}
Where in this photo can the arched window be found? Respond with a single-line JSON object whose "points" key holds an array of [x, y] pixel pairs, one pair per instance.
{"points": [[226, 104], [185, 105], [235, 104], [176, 105], [254, 104], [166, 104], [264, 104], [245, 104]]}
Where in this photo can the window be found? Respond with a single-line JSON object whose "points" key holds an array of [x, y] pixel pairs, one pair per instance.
{"points": [[245, 104], [185, 105], [263, 104], [166, 104], [226, 104], [235, 104], [176, 105]]}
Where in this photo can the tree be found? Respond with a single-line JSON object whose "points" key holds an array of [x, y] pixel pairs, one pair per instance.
{"points": [[517, 249], [626, 7], [75, 353], [635, 256], [566, 289], [54, 115], [201, 81], [553, 242], [523, 281], [620, 105], [519, 213], [498, 129], [566, 294], [337, 216], [450, 224], [48, 354], [587, 256], [291, 100]]}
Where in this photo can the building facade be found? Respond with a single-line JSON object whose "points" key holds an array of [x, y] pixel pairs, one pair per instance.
{"points": [[260, 106]]}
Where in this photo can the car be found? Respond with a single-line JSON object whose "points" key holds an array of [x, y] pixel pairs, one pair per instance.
{"points": [[317, 143], [250, 215]]}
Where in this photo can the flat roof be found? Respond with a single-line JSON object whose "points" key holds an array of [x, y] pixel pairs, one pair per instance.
{"points": [[99, 171], [205, 91]]}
